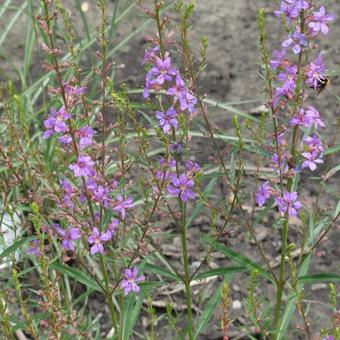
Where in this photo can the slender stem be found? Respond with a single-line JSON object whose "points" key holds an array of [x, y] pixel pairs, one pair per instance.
{"points": [[282, 271], [159, 26], [108, 295], [186, 269]]}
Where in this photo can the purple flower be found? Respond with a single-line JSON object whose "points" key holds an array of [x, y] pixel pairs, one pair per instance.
{"points": [[179, 91], [299, 4], [313, 144], [167, 119], [316, 72], [281, 166], [163, 71], [297, 40], [150, 55], [176, 148], [148, 86], [288, 10], [129, 284], [313, 152], [85, 134], [301, 119], [288, 76], [68, 236], [167, 164], [192, 166], [83, 167], [55, 123], [122, 205], [287, 90], [288, 203], [263, 193], [68, 192], [101, 195], [35, 249], [190, 103], [74, 90], [278, 59], [113, 225], [65, 139], [319, 21], [314, 117], [163, 175], [96, 238], [311, 159], [180, 186]]}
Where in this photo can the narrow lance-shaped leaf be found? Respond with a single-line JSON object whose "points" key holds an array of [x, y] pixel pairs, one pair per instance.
{"points": [[76, 274], [241, 259], [15, 246]]}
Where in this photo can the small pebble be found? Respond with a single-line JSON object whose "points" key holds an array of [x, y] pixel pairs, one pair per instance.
{"points": [[236, 288], [236, 304], [85, 6], [319, 286]]}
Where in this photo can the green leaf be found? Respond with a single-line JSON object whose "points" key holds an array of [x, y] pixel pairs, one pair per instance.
{"points": [[130, 313], [76, 274], [291, 304], [337, 210], [331, 172], [322, 277], [15, 246], [331, 150], [245, 261], [219, 271], [30, 37], [229, 108], [152, 268], [210, 308], [12, 22], [4, 7]]}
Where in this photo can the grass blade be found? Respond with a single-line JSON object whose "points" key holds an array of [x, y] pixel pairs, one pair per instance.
{"points": [[210, 308], [130, 313], [322, 277], [149, 267], [219, 271], [15, 246], [290, 306], [243, 260], [76, 274], [231, 109], [30, 37], [12, 22], [4, 7]]}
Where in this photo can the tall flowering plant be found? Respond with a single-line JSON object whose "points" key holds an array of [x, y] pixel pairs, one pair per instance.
{"points": [[293, 71]]}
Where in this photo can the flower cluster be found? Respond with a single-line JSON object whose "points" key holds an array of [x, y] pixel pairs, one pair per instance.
{"points": [[162, 76], [303, 22], [94, 188]]}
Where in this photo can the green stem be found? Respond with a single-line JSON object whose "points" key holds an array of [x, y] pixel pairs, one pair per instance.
{"points": [[282, 273], [108, 295], [186, 270]]}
